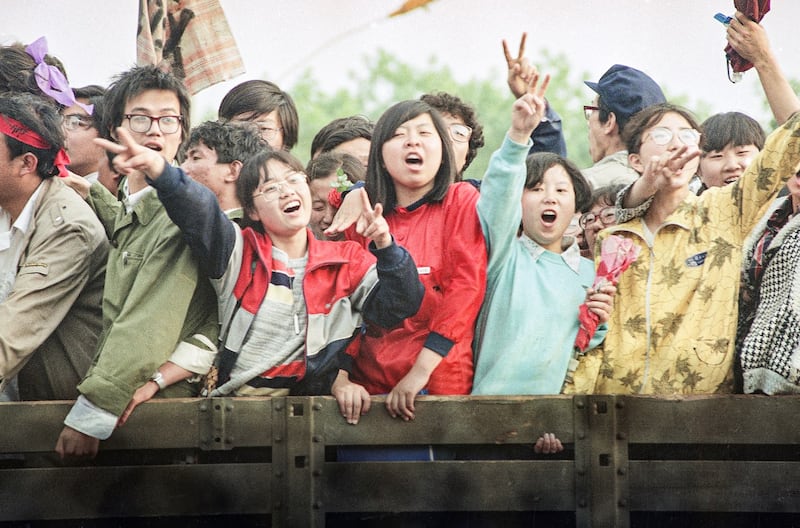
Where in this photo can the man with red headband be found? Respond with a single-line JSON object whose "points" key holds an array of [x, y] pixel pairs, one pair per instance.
{"points": [[53, 253]]}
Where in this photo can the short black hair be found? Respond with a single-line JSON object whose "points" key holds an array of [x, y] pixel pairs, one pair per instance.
{"points": [[341, 130], [133, 82], [230, 141], [606, 195], [539, 163], [329, 162], [257, 97], [95, 94], [40, 116], [731, 128]]}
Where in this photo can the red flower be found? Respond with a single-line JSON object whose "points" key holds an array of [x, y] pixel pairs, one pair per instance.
{"points": [[335, 198]]}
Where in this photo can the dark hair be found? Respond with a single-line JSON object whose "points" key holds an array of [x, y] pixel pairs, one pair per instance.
{"points": [[450, 104], [94, 93], [731, 128], [341, 130], [254, 171], [540, 162], [380, 186], [89, 91], [606, 194], [646, 118], [230, 141], [40, 116], [135, 81], [16, 70], [329, 162], [257, 97]]}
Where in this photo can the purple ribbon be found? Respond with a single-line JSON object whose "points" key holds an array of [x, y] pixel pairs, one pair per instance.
{"points": [[50, 79]]}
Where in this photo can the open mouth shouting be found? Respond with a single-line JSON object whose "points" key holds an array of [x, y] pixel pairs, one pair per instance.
{"points": [[549, 217], [414, 159], [292, 207]]}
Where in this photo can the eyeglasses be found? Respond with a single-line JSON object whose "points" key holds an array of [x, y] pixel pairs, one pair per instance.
{"points": [[588, 109], [607, 216], [460, 133], [663, 135], [271, 190], [268, 132], [76, 121], [142, 123]]}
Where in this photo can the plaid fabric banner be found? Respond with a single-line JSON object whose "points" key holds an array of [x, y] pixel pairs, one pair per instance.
{"points": [[190, 38]]}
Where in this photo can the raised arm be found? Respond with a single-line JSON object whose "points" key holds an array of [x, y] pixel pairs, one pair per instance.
{"points": [[190, 205], [749, 39]]}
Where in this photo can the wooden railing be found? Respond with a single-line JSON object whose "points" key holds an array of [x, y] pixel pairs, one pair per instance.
{"points": [[277, 460]]}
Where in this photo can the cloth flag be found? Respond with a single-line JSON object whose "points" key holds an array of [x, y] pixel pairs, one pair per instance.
{"points": [[755, 10], [190, 38]]}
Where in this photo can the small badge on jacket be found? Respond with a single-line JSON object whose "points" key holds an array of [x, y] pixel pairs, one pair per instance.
{"points": [[696, 260]]}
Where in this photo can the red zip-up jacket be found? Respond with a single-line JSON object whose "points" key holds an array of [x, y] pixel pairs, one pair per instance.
{"points": [[446, 242]]}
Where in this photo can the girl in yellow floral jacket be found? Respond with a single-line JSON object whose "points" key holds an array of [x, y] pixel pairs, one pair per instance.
{"points": [[674, 325]]}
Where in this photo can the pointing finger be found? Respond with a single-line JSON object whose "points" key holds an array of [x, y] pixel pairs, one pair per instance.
{"points": [[110, 146]]}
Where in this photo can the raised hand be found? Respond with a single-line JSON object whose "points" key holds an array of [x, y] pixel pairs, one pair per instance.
{"points": [[348, 213], [131, 156], [668, 170], [372, 225], [520, 70], [528, 111], [749, 39]]}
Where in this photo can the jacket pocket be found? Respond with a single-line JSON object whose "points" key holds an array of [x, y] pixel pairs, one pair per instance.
{"points": [[712, 351]]}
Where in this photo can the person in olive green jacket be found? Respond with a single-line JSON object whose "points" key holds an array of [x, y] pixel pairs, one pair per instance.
{"points": [[160, 324]]}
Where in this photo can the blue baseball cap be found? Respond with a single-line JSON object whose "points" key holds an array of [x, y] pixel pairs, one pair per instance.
{"points": [[625, 91]]}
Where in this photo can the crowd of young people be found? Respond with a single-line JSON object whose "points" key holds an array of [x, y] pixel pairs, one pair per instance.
{"points": [[211, 261]]}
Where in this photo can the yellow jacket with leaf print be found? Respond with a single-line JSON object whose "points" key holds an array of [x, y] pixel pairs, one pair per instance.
{"points": [[673, 328]]}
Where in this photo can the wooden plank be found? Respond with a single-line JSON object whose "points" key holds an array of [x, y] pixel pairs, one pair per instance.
{"points": [[452, 420], [726, 419], [449, 486], [36, 425], [158, 424], [715, 486], [131, 491]]}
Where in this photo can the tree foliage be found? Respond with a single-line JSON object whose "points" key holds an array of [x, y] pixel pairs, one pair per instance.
{"points": [[384, 79]]}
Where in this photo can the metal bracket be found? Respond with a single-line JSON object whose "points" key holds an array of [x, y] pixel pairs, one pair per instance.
{"points": [[216, 424]]}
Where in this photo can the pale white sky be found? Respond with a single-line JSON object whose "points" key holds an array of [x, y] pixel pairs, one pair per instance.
{"points": [[676, 41]]}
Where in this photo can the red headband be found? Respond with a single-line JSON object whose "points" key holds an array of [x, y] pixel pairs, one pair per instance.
{"points": [[13, 128]]}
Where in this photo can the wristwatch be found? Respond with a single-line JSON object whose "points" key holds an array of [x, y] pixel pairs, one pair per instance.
{"points": [[158, 378]]}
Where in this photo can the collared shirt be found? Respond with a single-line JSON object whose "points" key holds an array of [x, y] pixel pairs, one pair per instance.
{"points": [[570, 254], [131, 200], [12, 238]]}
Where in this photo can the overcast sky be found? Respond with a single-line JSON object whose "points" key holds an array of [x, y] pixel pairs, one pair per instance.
{"points": [[676, 41]]}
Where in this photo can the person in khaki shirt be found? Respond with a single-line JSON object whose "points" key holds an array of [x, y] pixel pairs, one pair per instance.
{"points": [[53, 253]]}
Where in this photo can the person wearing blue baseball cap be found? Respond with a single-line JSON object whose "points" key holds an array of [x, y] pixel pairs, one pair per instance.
{"points": [[622, 91]]}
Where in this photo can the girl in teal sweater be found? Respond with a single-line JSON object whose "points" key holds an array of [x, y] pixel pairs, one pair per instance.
{"points": [[536, 281]]}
